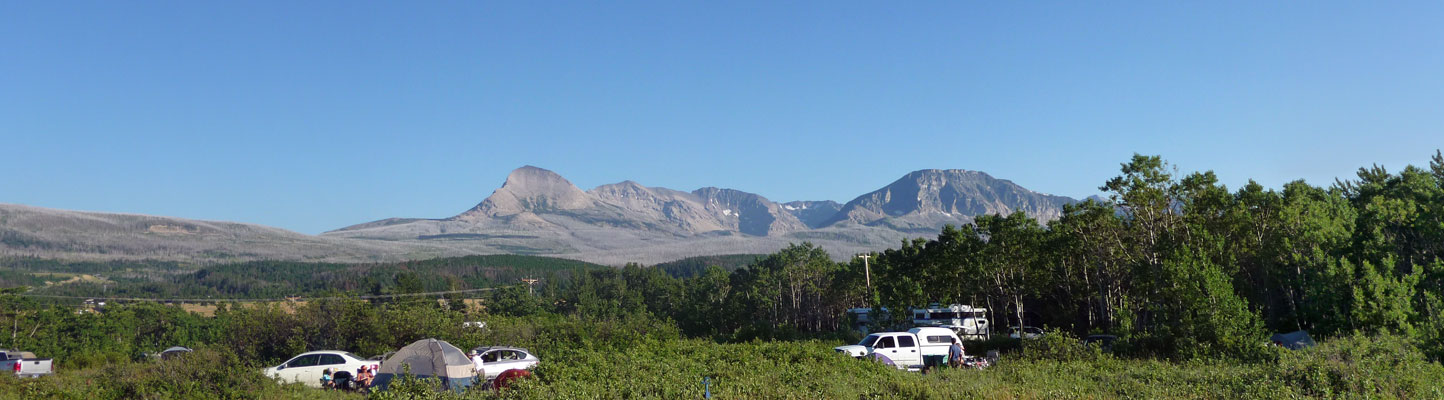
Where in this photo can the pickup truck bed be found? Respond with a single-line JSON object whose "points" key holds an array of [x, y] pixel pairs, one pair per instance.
{"points": [[25, 364]]}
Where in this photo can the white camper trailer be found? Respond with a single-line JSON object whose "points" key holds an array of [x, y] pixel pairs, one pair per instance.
{"points": [[967, 321]]}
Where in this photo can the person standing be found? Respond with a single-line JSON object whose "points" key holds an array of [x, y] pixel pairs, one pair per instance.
{"points": [[477, 364], [955, 354]]}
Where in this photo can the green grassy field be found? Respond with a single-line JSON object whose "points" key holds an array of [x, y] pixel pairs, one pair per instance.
{"points": [[652, 368], [1362, 367]]}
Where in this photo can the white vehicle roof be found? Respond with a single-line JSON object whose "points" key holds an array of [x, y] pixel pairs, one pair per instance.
{"points": [[931, 331], [346, 354]]}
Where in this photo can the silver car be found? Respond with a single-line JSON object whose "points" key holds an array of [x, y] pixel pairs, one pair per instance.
{"points": [[496, 359]]}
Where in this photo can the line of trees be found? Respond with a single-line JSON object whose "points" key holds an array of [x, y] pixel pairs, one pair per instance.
{"points": [[1178, 265], [1183, 265]]}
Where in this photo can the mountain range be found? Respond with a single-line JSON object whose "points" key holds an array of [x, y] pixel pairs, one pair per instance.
{"points": [[536, 211]]}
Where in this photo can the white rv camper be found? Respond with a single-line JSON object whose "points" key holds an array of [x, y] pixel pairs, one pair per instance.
{"points": [[967, 321]]}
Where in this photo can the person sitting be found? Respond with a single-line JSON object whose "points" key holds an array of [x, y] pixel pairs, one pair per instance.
{"points": [[363, 377], [326, 379]]}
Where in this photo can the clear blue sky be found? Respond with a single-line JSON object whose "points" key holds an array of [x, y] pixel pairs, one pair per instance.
{"points": [[314, 115]]}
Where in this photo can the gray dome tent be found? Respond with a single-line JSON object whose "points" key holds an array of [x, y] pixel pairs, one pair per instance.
{"points": [[429, 358], [1293, 340]]}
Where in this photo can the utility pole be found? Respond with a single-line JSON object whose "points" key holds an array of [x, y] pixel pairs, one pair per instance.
{"points": [[867, 271], [529, 282]]}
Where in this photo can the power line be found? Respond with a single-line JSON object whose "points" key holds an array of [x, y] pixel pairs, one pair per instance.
{"points": [[364, 297]]}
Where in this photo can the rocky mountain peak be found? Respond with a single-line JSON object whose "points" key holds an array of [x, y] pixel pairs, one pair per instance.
{"points": [[626, 188], [530, 189], [752, 213], [528, 177], [927, 199]]}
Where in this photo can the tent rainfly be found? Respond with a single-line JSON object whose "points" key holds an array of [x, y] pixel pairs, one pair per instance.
{"points": [[173, 352], [1293, 340], [429, 358]]}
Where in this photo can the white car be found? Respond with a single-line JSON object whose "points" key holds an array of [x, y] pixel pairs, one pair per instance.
{"points": [[496, 360], [308, 367]]}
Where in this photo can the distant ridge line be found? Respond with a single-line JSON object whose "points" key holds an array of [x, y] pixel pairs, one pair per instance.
{"points": [[365, 297]]}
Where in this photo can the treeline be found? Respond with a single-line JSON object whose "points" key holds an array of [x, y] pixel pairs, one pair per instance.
{"points": [[790, 294], [1176, 265], [693, 266], [276, 279], [1181, 265]]}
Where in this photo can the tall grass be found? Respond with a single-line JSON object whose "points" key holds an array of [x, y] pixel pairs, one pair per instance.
{"points": [[203, 374], [1382, 367], [645, 358]]}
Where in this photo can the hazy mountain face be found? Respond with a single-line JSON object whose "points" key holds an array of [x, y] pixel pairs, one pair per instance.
{"points": [[536, 211], [812, 213], [929, 199]]}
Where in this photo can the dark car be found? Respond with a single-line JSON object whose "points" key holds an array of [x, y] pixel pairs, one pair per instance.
{"points": [[1104, 342]]}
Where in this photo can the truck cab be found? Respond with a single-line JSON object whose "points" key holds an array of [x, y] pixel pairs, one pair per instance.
{"points": [[903, 349]]}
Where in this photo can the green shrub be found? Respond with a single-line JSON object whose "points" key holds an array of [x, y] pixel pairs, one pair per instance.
{"points": [[409, 387], [1384, 366], [1059, 346], [1003, 344], [203, 374]]}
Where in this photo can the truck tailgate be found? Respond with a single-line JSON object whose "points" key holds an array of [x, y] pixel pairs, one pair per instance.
{"points": [[34, 367]]}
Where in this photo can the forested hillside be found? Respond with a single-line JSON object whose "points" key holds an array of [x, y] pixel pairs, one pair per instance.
{"points": [[693, 266], [275, 279]]}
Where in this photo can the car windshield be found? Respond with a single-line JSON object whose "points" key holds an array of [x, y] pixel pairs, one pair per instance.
{"points": [[868, 341]]}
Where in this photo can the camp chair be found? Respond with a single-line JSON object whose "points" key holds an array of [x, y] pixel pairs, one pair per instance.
{"points": [[342, 380]]}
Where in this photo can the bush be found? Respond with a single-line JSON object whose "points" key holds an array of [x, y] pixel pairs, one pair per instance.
{"points": [[1003, 344], [1059, 346], [1384, 366], [409, 387], [202, 374]]}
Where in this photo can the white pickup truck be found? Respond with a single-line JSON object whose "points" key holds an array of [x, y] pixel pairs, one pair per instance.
{"points": [[904, 349], [25, 364]]}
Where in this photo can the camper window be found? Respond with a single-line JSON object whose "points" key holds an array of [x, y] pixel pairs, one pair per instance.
{"points": [[939, 339]]}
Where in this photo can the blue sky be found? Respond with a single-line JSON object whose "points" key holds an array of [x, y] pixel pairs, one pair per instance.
{"points": [[316, 115]]}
